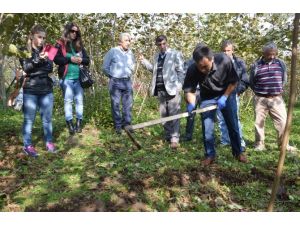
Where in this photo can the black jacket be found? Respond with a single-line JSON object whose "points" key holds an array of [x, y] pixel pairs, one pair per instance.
{"points": [[241, 70], [37, 70], [62, 60]]}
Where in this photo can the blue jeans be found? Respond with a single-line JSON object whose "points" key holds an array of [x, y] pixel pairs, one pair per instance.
{"points": [[121, 89], [31, 103], [189, 129], [223, 128], [72, 90], [208, 121]]}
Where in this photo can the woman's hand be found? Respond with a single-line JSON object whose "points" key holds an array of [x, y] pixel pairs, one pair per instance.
{"points": [[44, 55], [76, 59]]}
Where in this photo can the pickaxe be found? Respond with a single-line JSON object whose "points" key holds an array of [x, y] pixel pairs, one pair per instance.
{"points": [[130, 128]]}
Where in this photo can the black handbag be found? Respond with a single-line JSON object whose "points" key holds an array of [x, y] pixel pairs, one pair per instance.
{"points": [[85, 77]]}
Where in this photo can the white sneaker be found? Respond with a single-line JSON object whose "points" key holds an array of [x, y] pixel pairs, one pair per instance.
{"points": [[259, 148], [290, 148]]}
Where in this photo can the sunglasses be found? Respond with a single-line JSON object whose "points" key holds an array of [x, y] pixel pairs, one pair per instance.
{"points": [[74, 31]]}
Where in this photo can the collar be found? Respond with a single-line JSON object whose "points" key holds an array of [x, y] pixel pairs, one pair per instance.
{"points": [[122, 50], [214, 68], [264, 62], [162, 55]]}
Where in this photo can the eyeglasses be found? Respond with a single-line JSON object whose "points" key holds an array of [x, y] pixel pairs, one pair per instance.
{"points": [[74, 31]]}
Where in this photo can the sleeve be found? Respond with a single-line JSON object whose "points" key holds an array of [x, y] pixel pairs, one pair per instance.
{"points": [[131, 63], [60, 59], [85, 58], [106, 63], [189, 84], [29, 64], [244, 80], [49, 66], [148, 65], [284, 77], [251, 77], [180, 68], [231, 76]]}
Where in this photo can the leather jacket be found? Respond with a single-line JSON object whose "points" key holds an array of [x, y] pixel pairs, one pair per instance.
{"points": [[37, 70]]}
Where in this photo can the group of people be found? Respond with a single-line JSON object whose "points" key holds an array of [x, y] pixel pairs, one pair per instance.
{"points": [[38, 86], [206, 79]]}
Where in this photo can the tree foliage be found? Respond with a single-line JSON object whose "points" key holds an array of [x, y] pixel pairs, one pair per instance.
{"points": [[100, 32]]}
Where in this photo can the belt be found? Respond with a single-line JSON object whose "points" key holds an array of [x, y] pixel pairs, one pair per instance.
{"points": [[124, 78], [267, 96]]}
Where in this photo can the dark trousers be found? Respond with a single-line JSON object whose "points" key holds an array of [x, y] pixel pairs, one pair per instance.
{"points": [[121, 90], [231, 119], [170, 106]]}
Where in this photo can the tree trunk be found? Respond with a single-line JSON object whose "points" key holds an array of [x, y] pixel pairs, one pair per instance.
{"points": [[2, 81], [292, 100]]}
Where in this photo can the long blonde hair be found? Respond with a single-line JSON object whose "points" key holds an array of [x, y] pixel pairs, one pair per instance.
{"points": [[34, 30]]}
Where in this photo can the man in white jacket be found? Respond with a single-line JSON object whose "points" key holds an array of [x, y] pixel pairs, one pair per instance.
{"points": [[167, 81]]}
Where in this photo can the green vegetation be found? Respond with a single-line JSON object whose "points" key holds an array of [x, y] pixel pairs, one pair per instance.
{"points": [[101, 171]]}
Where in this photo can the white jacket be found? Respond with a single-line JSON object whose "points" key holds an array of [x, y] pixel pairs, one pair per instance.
{"points": [[173, 71]]}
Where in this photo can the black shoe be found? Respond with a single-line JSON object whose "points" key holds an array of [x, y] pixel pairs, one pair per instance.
{"points": [[186, 139], [71, 127], [78, 128], [119, 131], [128, 128]]}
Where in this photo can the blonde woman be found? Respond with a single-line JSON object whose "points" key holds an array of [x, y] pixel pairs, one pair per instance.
{"points": [[38, 91]]}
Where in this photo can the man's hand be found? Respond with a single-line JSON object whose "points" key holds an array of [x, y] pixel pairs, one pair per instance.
{"points": [[140, 57], [222, 102], [190, 107]]}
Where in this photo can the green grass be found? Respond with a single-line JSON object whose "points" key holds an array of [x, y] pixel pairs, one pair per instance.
{"points": [[101, 171]]}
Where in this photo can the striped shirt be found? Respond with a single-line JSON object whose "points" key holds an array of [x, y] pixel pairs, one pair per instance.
{"points": [[269, 77]]}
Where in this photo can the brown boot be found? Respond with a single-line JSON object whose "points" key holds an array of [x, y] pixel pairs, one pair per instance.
{"points": [[242, 158], [208, 161]]}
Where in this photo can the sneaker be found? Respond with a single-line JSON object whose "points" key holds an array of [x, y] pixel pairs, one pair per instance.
{"points": [[259, 148], [168, 140], [130, 130], [242, 158], [50, 147], [30, 150], [208, 161], [119, 131]]}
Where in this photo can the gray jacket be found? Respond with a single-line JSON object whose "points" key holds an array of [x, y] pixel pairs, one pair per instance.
{"points": [[173, 71]]}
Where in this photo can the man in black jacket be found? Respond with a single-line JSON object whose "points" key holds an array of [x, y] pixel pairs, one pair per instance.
{"points": [[240, 68], [217, 78]]}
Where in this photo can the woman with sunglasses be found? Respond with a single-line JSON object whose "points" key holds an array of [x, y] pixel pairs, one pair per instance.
{"points": [[37, 90], [71, 54]]}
